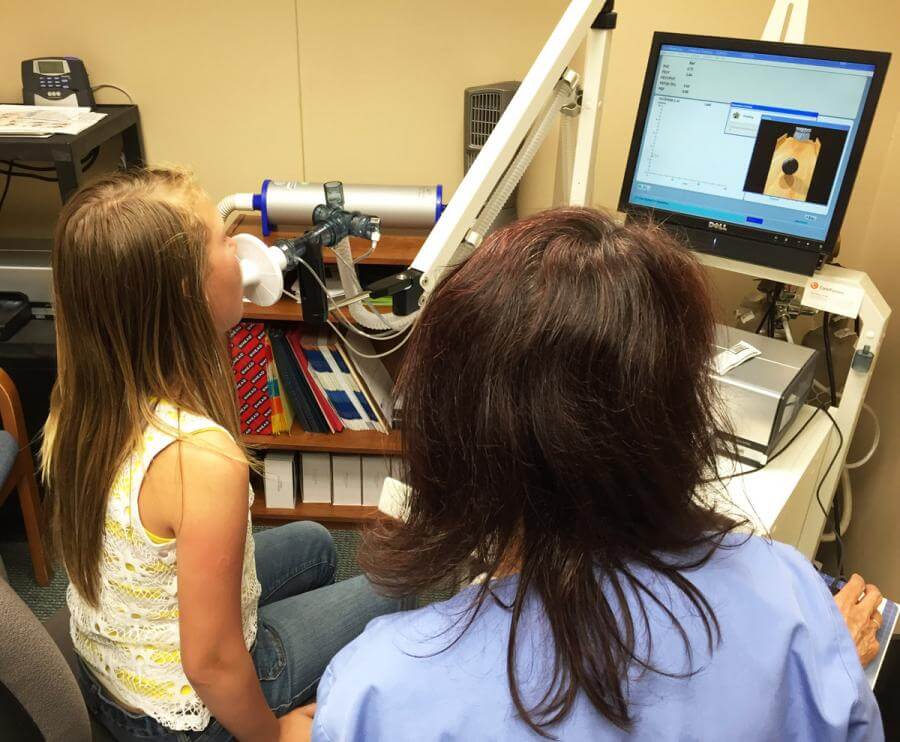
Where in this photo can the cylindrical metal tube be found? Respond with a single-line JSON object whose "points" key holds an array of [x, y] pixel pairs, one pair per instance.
{"points": [[415, 207]]}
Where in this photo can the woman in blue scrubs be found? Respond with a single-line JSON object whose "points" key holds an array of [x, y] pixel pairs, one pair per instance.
{"points": [[559, 423]]}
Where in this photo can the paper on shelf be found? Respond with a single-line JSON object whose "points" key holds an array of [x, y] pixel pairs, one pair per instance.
{"points": [[42, 121]]}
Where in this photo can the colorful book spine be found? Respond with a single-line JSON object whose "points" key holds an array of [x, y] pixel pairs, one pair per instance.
{"points": [[295, 338], [350, 382], [282, 417], [249, 364], [329, 378], [310, 418]]}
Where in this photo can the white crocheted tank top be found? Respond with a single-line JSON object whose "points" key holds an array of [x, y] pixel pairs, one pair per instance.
{"points": [[130, 640]]}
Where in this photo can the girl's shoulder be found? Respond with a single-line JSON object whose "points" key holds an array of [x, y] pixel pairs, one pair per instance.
{"points": [[177, 422]]}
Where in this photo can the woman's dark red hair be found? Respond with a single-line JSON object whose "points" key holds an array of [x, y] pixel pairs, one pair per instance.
{"points": [[559, 417]]}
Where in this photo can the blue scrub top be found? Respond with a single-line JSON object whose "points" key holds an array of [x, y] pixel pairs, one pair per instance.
{"points": [[786, 667]]}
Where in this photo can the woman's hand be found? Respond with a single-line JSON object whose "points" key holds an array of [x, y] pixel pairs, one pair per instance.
{"points": [[862, 616], [295, 726]]}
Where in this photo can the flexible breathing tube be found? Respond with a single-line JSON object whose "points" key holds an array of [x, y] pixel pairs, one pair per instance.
{"points": [[566, 154], [235, 202], [365, 316], [523, 159]]}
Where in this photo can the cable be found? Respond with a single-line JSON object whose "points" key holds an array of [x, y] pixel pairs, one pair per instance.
{"points": [[764, 319], [6, 186], [32, 176], [332, 308], [786, 326], [875, 441], [773, 318], [86, 163], [35, 168], [829, 361], [349, 345], [366, 254], [113, 87], [777, 453], [837, 534], [92, 155], [367, 355], [846, 507]]}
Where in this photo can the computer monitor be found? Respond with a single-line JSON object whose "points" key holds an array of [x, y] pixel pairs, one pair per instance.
{"points": [[751, 147]]}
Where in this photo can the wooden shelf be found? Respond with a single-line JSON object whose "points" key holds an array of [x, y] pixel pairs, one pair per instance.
{"points": [[343, 516], [395, 248], [284, 310], [365, 442]]}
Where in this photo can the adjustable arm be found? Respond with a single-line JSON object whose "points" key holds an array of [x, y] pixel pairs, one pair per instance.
{"points": [[445, 244]]}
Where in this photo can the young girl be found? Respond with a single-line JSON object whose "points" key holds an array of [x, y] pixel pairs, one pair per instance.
{"points": [[182, 619]]}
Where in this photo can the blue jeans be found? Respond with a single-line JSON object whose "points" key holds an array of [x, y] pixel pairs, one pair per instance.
{"points": [[304, 619]]}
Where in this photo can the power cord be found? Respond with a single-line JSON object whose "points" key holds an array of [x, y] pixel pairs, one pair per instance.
{"points": [[837, 529], [775, 455], [359, 353], [32, 171], [829, 361], [8, 181], [113, 87], [838, 541], [87, 162]]}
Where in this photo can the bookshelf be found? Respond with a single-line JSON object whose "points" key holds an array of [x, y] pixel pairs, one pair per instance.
{"points": [[395, 249], [337, 516], [363, 442]]}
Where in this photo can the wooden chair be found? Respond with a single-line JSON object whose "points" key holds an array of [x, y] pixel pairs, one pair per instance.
{"points": [[21, 477]]}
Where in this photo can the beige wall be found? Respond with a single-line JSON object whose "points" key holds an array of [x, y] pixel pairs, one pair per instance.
{"points": [[203, 74], [372, 92]]}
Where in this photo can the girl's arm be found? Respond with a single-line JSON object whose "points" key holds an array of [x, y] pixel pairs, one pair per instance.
{"points": [[207, 512]]}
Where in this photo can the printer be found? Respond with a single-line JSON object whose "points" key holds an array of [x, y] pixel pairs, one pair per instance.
{"points": [[25, 267], [763, 394]]}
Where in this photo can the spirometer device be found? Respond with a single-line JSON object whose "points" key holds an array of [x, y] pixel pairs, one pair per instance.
{"points": [[763, 383]]}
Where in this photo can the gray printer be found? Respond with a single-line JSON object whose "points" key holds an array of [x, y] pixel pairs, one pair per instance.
{"points": [[763, 395], [25, 267]]}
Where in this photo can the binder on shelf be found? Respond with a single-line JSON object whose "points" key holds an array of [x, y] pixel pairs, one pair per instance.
{"points": [[249, 363], [346, 480], [340, 392], [374, 380], [299, 392], [282, 411], [375, 469], [348, 376], [316, 476], [294, 338], [280, 477]]}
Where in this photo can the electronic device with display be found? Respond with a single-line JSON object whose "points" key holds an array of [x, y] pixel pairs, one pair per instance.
{"points": [[56, 81], [751, 147]]}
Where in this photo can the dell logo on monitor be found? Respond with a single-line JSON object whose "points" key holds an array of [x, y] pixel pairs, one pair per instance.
{"points": [[718, 226]]}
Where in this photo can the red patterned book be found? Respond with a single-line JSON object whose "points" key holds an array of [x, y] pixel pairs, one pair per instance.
{"points": [[249, 363]]}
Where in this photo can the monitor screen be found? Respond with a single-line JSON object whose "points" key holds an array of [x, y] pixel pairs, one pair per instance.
{"points": [[51, 67], [751, 134]]}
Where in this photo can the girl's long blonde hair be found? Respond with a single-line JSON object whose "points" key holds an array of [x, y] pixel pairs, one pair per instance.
{"points": [[133, 326]]}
